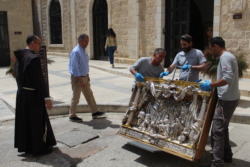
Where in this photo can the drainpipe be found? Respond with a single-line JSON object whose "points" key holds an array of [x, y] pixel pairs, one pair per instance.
{"points": [[137, 30]]}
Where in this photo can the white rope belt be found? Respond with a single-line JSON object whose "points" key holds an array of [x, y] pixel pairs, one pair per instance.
{"points": [[28, 88]]}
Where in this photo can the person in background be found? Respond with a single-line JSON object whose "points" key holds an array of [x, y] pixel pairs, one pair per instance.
{"points": [[227, 85], [111, 45], [80, 80], [33, 131], [190, 59], [148, 66]]}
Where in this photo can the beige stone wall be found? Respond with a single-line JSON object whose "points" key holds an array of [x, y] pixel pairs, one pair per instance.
{"points": [[121, 25], [124, 24], [81, 19], [66, 47], [236, 32], [19, 17], [148, 10]]}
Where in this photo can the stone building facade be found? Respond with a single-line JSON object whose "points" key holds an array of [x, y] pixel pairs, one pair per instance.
{"points": [[15, 25], [143, 25]]}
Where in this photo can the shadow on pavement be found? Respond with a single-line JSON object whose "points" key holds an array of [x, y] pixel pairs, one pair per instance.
{"points": [[120, 67], [53, 159], [100, 123], [74, 161], [57, 102], [243, 103], [238, 163], [163, 159]]}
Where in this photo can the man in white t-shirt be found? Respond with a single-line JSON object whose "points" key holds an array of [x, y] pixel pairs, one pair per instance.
{"points": [[190, 59]]}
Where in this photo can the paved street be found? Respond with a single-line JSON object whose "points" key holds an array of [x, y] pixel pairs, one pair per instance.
{"points": [[110, 150], [112, 90], [5, 111]]}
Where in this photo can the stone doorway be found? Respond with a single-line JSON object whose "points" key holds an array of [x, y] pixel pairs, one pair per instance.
{"points": [[100, 27], [186, 17]]}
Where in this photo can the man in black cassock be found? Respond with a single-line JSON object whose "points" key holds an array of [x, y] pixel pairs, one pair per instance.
{"points": [[33, 132]]}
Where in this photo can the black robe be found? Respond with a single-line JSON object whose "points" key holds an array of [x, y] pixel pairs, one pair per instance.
{"points": [[31, 119]]}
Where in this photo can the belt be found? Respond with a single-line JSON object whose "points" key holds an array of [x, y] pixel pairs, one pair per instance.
{"points": [[85, 76], [29, 88]]}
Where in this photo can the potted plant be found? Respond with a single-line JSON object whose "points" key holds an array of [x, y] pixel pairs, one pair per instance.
{"points": [[213, 62]]}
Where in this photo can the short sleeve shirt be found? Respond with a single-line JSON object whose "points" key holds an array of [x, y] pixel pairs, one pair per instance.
{"points": [[193, 57], [144, 67], [228, 70]]}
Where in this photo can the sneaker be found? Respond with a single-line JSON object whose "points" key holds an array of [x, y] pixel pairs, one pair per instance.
{"points": [[75, 119], [46, 151], [98, 114]]}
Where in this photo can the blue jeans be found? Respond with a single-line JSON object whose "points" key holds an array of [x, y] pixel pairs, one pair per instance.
{"points": [[111, 51]]}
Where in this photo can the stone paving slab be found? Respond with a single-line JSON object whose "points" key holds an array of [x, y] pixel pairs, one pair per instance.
{"points": [[75, 137], [5, 111]]}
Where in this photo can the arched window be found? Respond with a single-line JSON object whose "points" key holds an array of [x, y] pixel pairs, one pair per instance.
{"points": [[55, 22]]}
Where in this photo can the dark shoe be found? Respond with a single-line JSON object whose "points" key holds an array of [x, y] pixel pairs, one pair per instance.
{"points": [[44, 152], [228, 160], [75, 119], [28, 152], [205, 166], [98, 114]]}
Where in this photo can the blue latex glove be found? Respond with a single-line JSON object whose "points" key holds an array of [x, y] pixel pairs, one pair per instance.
{"points": [[206, 85], [185, 67], [198, 80], [164, 74], [139, 77]]}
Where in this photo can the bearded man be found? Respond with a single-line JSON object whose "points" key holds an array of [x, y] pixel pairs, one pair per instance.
{"points": [[190, 59]]}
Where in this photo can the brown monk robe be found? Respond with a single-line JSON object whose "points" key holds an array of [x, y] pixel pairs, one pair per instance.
{"points": [[33, 132]]}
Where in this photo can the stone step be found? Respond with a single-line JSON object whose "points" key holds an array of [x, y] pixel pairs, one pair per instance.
{"points": [[242, 113], [58, 54], [246, 74], [124, 60]]}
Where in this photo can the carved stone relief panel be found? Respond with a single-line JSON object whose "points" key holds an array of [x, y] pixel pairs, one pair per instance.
{"points": [[238, 6]]}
